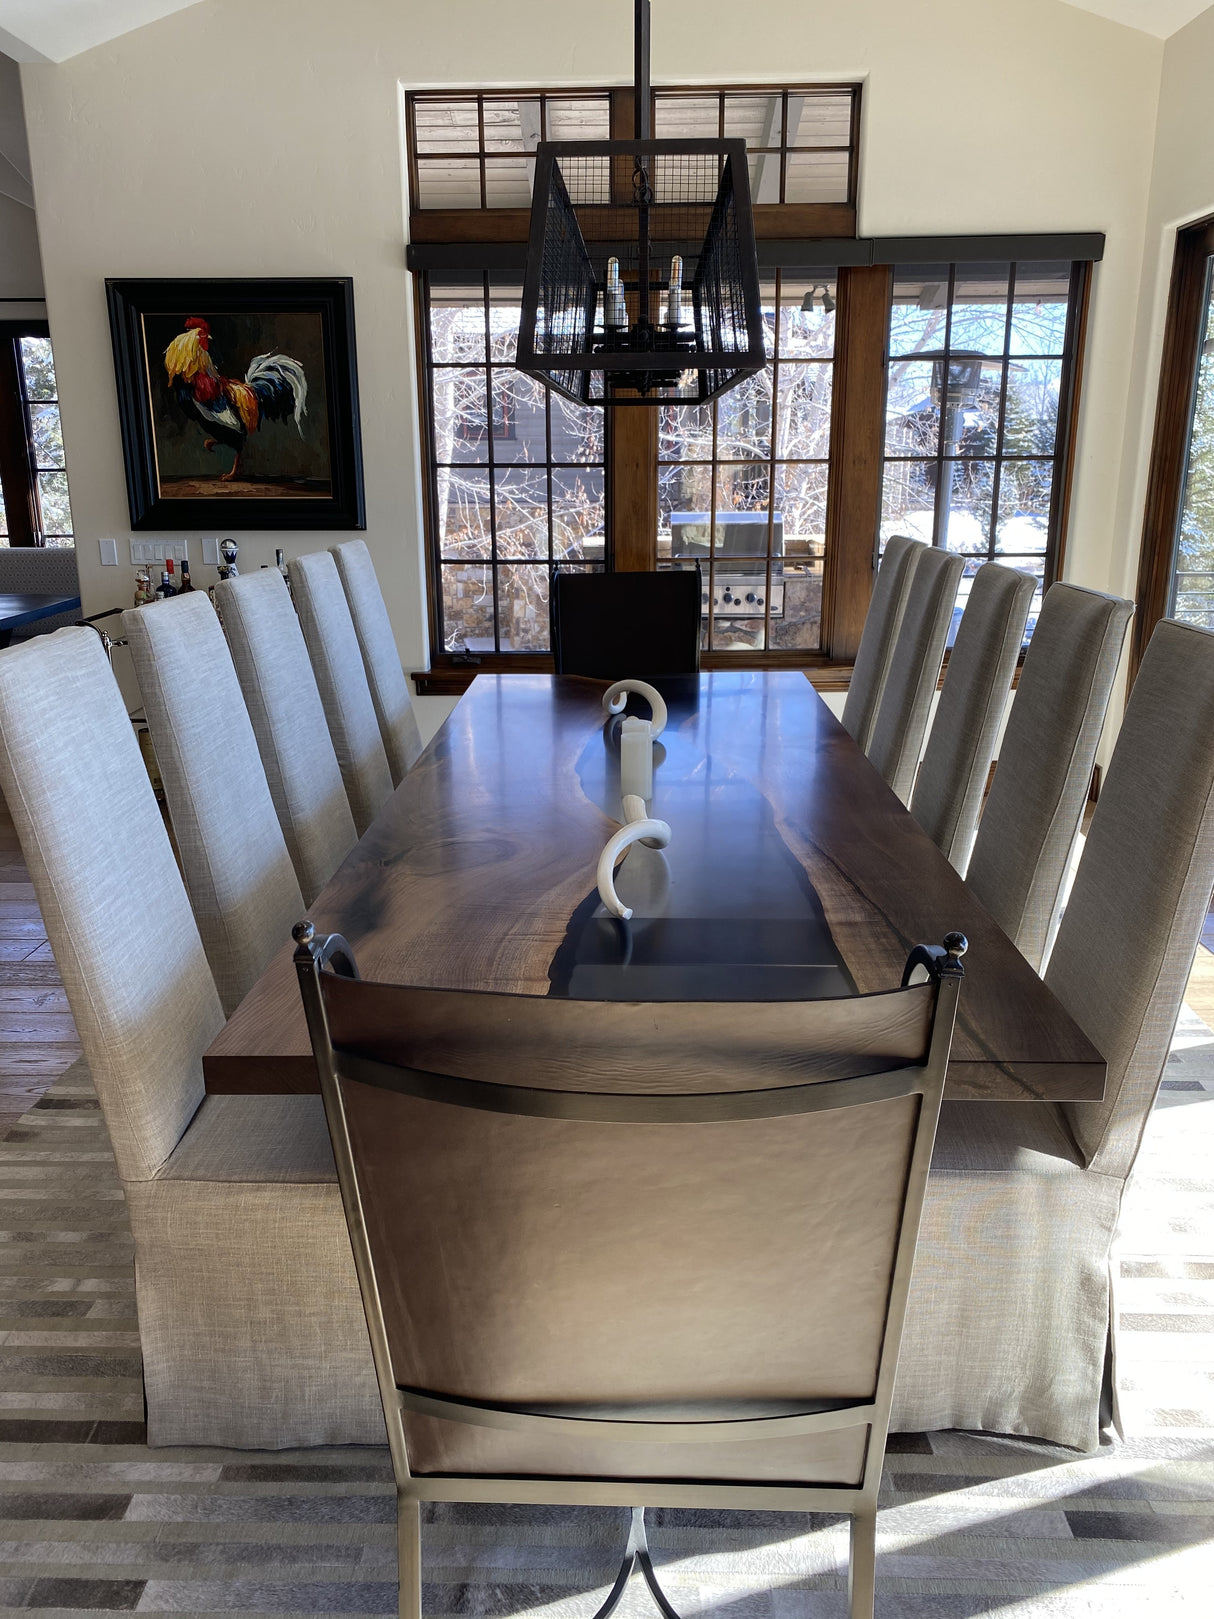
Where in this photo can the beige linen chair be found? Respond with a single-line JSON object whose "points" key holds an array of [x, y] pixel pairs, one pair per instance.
{"points": [[898, 730], [1023, 848], [239, 875], [957, 759], [275, 675], [881, 625], [249, 1316], [389, 688], [1008, 1326], [622, 1245], [337, 663]]}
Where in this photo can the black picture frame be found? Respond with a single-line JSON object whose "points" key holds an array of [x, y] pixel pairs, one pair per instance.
{"points": [[334, 501]]}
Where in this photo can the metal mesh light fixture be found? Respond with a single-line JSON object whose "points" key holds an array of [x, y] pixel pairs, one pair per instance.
{"points": [[642, 283]]}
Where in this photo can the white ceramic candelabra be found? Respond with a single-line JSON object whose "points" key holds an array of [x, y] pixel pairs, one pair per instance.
{"points": [[637, 737]]}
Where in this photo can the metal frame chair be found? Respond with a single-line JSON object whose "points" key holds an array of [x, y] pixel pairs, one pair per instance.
{"points": [[675, 1066]]}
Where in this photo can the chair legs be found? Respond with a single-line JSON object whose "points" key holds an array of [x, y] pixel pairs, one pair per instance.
{"points": [[409, 1557], [861, 1565]]}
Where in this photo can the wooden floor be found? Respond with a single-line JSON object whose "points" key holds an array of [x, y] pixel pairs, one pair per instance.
{"points": [[37, 1036]]}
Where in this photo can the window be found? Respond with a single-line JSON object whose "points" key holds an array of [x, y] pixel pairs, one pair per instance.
{"points": [[1176, 569], [900, 394], [36, 509], [980, 371]]}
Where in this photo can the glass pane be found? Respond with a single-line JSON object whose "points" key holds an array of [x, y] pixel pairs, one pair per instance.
{"points": [[807, 318], [744, 419], [678, 116], [448, 182], [685, 432], [512, 126], [465, 529], [578, 118], [745, 488], [764, 170], [820, 120], [577, 431], [457, 324], [3, 521], [816, 176], [48, 435], [1031, 424], [467, 608], [579, 522], [522, 606], [908, 500], [965, 505], [919, 317], [803, 411], [460, 425], [684, 499], [446, 126], [912, 420], [38, 366], [1025, 488], [53, 498], [979, 309], [505, 301], [800, 524], [759, 120], [971, 421], [508, 182], [1039, 308], [522, 512], [1193, 565], [520, 424]]}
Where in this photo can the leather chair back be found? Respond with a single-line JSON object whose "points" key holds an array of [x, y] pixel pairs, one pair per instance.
{"points": [[613, 625]]}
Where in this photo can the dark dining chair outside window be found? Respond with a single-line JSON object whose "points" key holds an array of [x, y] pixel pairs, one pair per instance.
{"points": [[632, 1254], [612, 625]]}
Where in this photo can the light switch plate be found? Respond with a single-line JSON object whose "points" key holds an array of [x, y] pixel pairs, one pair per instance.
{"points": [[109, 553], [210, 553]]}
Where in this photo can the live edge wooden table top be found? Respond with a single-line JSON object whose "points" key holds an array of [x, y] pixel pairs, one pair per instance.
{"points": [[792, 872]]}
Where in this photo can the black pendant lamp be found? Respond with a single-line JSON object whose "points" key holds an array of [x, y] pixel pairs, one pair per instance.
{"points": [[642, 283]]}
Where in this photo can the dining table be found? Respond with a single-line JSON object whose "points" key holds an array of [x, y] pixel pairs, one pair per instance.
{"points": [[21, 607], [792, 873]]}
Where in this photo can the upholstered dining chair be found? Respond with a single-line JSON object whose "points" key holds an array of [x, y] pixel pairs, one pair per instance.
{"points": [[957, 759], [618, 1253], [881, 625], [237, 870], [284, 705], [250, 1321], [1022, 852], [1009, 1326], [896, 742], [337, 663], [389, 688]]}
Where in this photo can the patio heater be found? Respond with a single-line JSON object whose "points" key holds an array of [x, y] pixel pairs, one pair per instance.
{"points": [[642, 282]]}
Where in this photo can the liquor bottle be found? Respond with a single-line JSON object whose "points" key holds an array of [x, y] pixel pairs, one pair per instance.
{"points": [[168, 562], [280, 561], [143, 589], [165, 588], [186, 583]]}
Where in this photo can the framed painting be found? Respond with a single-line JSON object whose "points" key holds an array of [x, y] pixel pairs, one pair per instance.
{"points": [[238, 402]]}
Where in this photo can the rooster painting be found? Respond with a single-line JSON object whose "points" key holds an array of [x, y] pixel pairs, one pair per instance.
{"points": [[274, 388]]}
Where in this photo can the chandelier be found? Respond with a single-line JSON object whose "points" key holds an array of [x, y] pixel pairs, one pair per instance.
{"points": [[642, 282]]}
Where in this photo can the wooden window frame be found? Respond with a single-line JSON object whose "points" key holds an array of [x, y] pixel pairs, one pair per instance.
{"points": [[18, 459], [1170, 440]]}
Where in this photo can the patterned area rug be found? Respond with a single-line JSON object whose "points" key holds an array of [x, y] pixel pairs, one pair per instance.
{"points": [[91, 1520]]}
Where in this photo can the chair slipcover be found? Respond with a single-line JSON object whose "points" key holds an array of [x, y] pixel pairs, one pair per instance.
{"points": [[389, 688], [288, 718], [337, 663], [1008, 1327], [881, 624], [249, 1314], [1023, 847], [897, 735], [239, 875], [957, 759]]}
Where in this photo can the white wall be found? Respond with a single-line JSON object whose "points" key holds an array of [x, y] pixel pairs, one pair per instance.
{"points": [[261, 137], [20, 267]]}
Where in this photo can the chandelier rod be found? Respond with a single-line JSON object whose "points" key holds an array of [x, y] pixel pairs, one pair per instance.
{"points": [[641, 97]]}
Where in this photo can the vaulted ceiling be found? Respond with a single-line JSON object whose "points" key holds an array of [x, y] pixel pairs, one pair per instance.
{"points": [[52, 30]]}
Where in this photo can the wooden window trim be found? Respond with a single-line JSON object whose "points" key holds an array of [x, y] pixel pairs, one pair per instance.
{"points": [[18, 476], [1170, 440]]}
